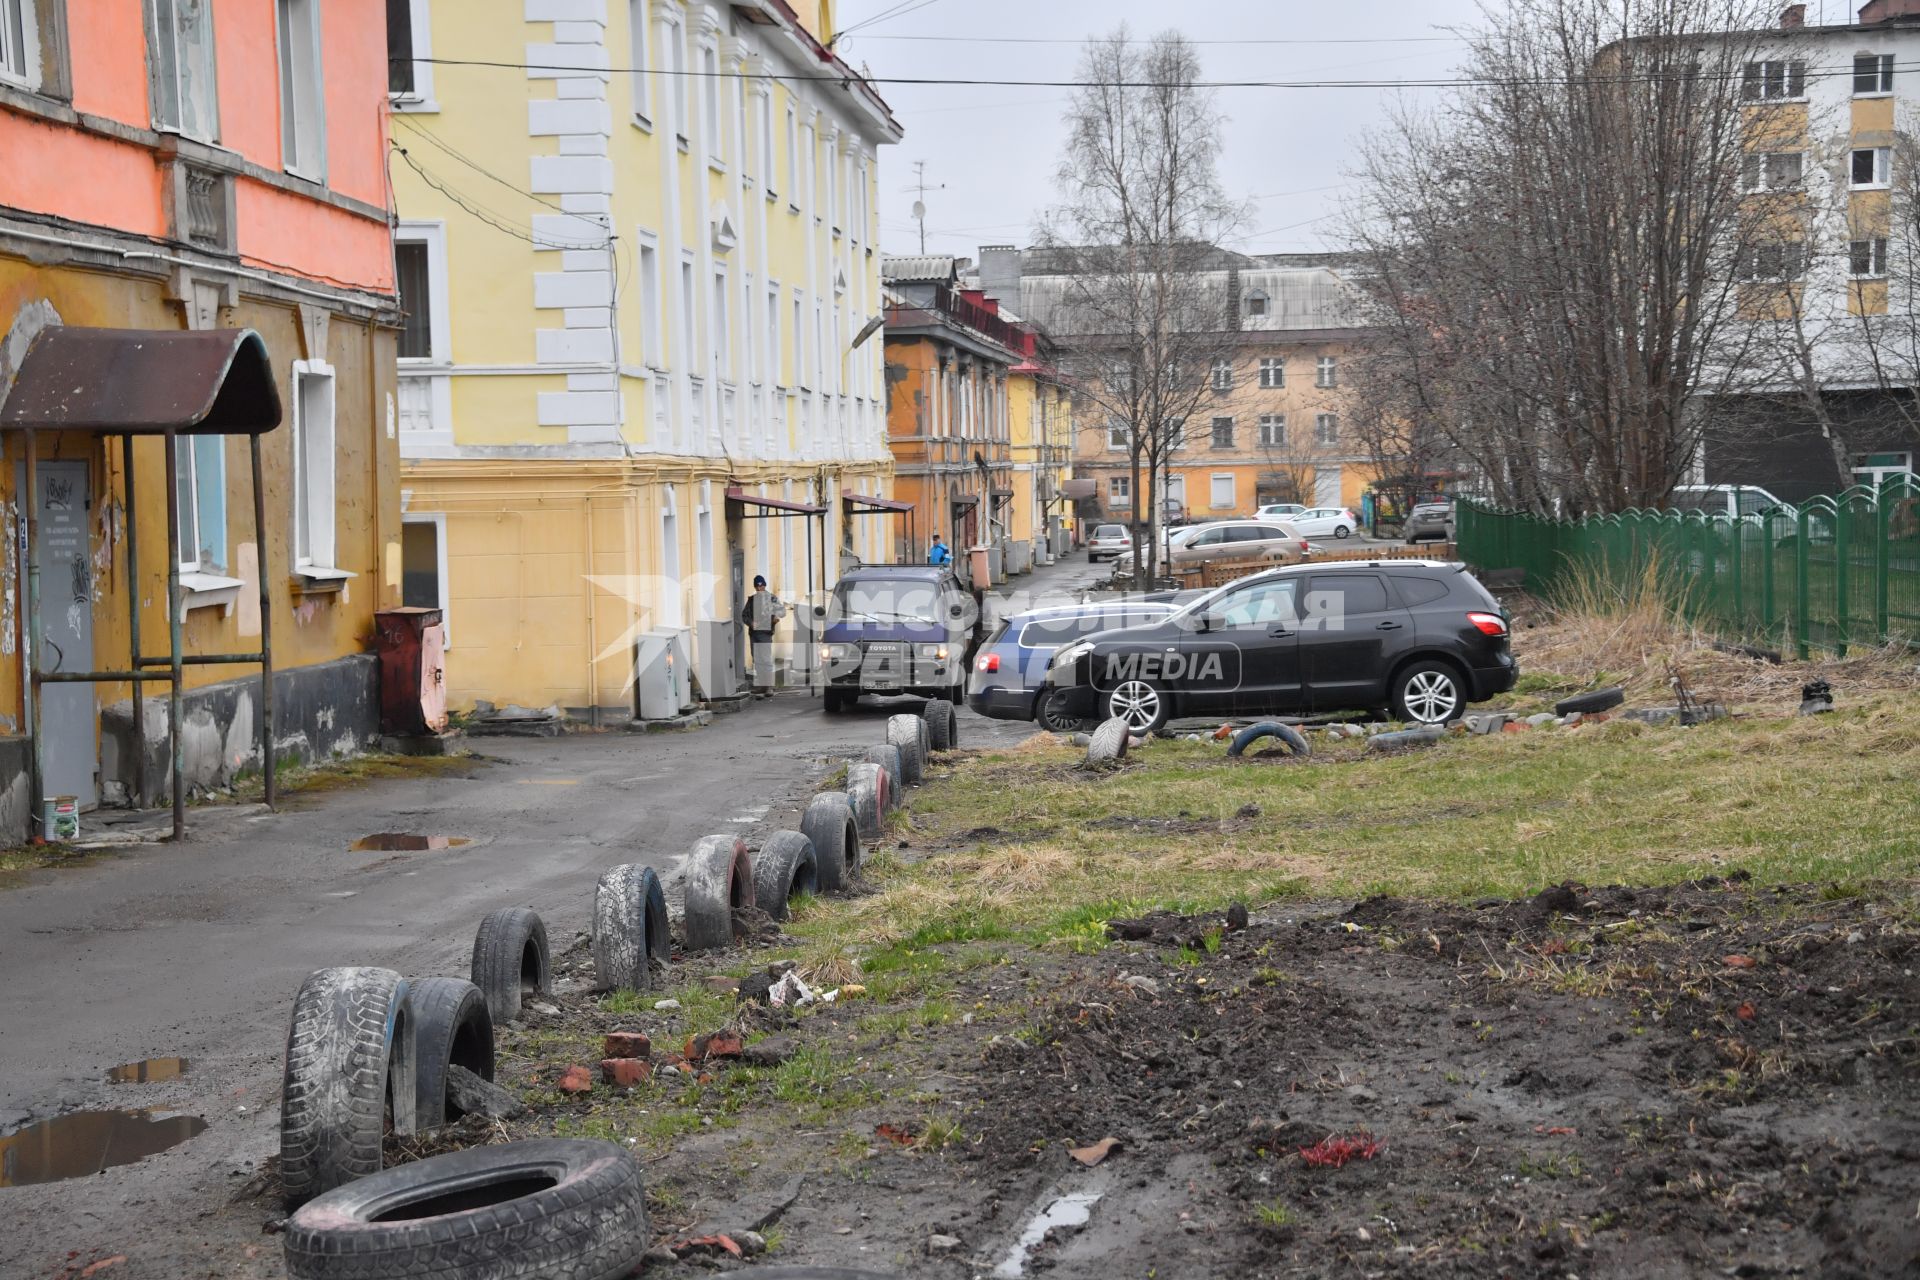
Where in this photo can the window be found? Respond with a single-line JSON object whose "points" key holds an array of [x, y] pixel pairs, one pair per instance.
{"points": [[1120, 380], [719, 337], [775, 374], [1774, 79], [680, 82], [1867, 257], [1223, 433], [1871, 166], [638, 47], [793, 159], [1120, 488], [1872, 73], [1256, 303], [799, 337], [312, 465], [421, 258], [1779, 261], [710, 105], [688, 356], [303, 115], [423, 566], [181, 70], [1222, 375], [650, 314], [409, 50], [1325, 375], [763, 109], [1326, 428], [1117, 435], [1221, 495], [1273, 430], [1260, 605], [18, 55], [1273, 372], [1771, 171], [200, 486], [1331, 597]]}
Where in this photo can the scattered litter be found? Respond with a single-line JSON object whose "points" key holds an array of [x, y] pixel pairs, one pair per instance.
{"points": [[1739, 962], [895, 1134], [709, 1244], [1066, 1213], [1333, 1152], [942, 1244], [666, 1006], [790, 992], [1094, 1154], [1816, 696], [1141, 982], [1557, 1131]]}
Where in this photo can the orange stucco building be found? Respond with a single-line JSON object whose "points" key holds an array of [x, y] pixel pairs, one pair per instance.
{"points": [[194, 166]]}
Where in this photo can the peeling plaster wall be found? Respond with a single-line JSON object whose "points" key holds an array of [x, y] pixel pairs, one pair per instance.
{"points": [[321, 712]]}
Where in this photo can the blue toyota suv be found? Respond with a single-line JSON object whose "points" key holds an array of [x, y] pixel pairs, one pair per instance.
{"points": [[896, 629]]}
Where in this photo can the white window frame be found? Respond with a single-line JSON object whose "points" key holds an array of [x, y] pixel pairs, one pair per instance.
{"points": [[1213, 434], [318, 558], [1879, 474], [1326, 372], [793, 157], [420, 22], [1273, 430], [438, 519], [763, 114], [1882, 169], [20, 66], [186, 453], [1757, 171], [719, 303], [689, 359], [1882, 74], [1876, 253], [1120, 489], [1118, 436], [1273, 372], [1259, 296], [776, 370], [1222, 375], [710, 122], [640, 59], [1326, 428], [298, 118], [1753, 80], [433, 234], [1214, 481], [653, 318], [677, 105], [210, 136]]}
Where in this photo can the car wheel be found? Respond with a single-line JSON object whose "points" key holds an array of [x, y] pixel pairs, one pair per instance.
{"points": [[834, 701], [1141, 703], [1341, 531], [1050, 712], [1428, 693]]}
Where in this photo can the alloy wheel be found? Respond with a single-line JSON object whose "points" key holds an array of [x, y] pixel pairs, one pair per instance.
{"points": [[1431, 697], [1136, 702]]}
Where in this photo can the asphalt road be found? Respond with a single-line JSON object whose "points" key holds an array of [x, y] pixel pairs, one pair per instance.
{"points": [[197, 950]]}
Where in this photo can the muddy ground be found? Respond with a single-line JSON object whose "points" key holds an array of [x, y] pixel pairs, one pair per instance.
{"points": [[1713, 1079]]}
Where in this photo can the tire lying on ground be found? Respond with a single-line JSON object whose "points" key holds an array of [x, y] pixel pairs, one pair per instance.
{"points": [[863, 798], [942, 729], [719, 878], [882, 785], [1287, 735], [889, 758], [349, 1050], [629, 928], [511, 961], [1598, 700], [903, 731], [829, 824], [566, 1208], [451, 1026], [1108, 745], [786, 864]]}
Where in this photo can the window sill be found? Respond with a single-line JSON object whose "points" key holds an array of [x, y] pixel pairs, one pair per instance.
{"points": [[1877, 93], [414, 106], [1869, 186], [641, 123], [209, 590], [716, 164], [311, 580]]}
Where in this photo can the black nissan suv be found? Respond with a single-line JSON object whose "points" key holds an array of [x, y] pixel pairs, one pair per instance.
{"points": [[1419, 638]]}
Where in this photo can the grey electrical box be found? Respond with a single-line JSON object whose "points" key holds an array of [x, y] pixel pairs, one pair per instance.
{"points": [[654, 697], [718, 663]]}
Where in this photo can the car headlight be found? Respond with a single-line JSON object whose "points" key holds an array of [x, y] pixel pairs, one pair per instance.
{"points": [[1071, 654], [832, 652], [936, 652]]}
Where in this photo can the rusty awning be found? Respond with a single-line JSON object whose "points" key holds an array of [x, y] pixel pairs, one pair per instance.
{"points": [[144, 382], [965, 500], [736, 494], [869, 503]]}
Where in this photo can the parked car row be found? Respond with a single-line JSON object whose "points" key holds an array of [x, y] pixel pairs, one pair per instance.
{"points": [[1420, 639]]}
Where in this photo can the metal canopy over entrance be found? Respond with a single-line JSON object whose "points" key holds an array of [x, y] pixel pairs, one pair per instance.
{"points": [[153, 382], [860, 504], [784, 509]]}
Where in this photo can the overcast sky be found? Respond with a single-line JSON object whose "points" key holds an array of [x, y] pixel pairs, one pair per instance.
{"points": [[992, 150]]}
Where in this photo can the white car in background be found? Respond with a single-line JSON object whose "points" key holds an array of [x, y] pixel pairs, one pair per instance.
{"points": [[1326, 522], [1287, 511], [1110, 542]]}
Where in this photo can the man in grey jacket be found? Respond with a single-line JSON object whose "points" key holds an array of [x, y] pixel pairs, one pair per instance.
{"points": [[760, 615]]}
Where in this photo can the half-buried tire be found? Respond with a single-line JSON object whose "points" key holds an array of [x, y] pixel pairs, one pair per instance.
{"points": [[903, 731], [511, 961], [629, 928], [1286, 735], [719, 880], [942, 730], [451, 1026], [863, 799], [560, 1208], [785, 865], [349, 1055], [828, 823], [1588, 703]]}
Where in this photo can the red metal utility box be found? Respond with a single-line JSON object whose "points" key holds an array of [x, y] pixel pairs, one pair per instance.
{"points": [[413, 677]]}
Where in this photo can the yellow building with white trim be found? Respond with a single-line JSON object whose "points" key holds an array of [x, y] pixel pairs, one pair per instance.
{"points": [[637, 248]]}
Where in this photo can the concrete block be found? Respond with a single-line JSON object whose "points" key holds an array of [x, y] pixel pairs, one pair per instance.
{"points": [[546, 61], [558, 115], [572, 346], [570, 408], [572, 174], [572, 289]]}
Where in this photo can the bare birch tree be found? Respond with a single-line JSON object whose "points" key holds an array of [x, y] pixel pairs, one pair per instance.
{"points": [[1143, 313], [1550, 254]]}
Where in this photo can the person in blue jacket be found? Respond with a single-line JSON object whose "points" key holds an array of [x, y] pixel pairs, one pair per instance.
{"points": [[938, 553]]}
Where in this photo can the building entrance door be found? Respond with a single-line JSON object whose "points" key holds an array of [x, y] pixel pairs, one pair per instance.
{"points": [[69, 713]]}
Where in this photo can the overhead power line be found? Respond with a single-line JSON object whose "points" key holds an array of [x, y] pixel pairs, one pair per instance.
{"points": [[1105, 40]]}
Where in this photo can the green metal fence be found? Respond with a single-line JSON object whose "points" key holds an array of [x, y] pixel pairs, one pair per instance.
{"points": [[1838, 572]]}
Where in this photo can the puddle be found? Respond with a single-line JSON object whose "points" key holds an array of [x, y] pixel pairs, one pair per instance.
{"points": [[147, 1071], [83, 1143], [1070, 1210], [406, 842]]}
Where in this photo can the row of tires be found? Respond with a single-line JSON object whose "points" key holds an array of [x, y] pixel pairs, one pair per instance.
{"points": [[366, 1044]]}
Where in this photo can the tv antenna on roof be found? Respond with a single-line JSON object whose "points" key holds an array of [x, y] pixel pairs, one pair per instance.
{"points": [[921, 188]]}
